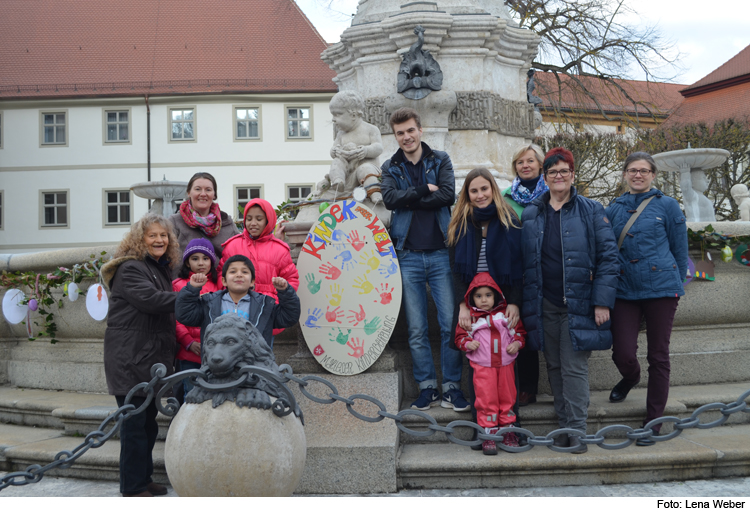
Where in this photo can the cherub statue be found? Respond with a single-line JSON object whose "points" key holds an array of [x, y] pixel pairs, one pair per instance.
{"points": [[741, 196], [355, 149]]}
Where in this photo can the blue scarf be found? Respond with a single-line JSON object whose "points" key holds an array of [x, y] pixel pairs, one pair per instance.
{"points": [[503, 250], [523, 195]]}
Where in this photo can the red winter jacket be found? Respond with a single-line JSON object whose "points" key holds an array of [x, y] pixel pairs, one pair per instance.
{"points": [[269, 255], [189, 334], [492, 326]]}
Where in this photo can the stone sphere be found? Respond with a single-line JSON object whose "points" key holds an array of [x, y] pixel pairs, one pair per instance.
{"points": [[233, 451]]}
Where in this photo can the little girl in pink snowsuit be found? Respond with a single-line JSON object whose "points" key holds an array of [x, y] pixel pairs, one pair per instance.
{"points": [[491, 348]]}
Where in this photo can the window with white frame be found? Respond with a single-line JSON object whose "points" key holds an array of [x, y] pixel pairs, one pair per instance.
{"points": [[182, 124], [245, 194], [54, 208], [246, 123], [298, 192], [299, 122], [116, 126], [117, 207], [54, 128]]}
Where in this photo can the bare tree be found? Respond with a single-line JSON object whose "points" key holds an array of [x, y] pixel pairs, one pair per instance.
{"points": [[588, 45]]}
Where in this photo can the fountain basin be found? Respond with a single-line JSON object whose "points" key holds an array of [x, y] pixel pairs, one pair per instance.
{"points": [[687, 159]]}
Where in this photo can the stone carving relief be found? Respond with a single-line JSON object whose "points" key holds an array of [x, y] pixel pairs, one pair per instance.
{"points": [[475, 110]]}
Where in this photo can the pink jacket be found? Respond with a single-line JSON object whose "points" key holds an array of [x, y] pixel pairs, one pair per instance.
{"points": [[269, 255], [490, 329], [189, 334]]}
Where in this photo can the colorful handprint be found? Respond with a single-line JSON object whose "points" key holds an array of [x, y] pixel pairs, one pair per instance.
{"points": [[370, 261], [313, 286], [338, 239], [385, 294], [358, 346], [355, 240], [389, 269], [372, 325], [335, 298], [341, 338], [330, 271], [356, 316], [312, 318], [346, 260], [333, 316], [363, 284]]}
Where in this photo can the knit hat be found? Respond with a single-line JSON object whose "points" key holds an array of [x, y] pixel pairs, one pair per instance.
{"points": [[203, 246]]}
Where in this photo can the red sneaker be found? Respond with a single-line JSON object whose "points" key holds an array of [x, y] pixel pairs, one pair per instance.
{"points": [[510, 439], [488, 447]]}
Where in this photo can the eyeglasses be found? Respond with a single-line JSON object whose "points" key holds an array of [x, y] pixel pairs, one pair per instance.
{"points": [[562, 173], [633, 172]]}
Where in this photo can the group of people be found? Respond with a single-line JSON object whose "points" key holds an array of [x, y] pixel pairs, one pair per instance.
{"points": [[534, 268], [169, 278]]}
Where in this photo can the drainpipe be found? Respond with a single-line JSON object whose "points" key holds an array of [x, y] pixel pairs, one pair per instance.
{"points": [[148, 143]]}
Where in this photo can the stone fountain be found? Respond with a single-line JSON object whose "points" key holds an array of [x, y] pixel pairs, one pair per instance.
{"points": [[396, 53], [691, 163], [164, 194]]}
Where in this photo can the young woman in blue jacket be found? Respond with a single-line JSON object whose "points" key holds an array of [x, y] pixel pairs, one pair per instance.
{"points": [[653, 263]]}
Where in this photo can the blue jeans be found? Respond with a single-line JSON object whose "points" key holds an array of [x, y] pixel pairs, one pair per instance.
{"points": [[418, 269]]}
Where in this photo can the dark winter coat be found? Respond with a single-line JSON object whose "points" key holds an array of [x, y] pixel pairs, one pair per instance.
{"points": [[590, 270], [654, 253], [140, 323], [193, 309], [401, 196]]}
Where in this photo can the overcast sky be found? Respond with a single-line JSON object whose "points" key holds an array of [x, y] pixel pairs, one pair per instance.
{"points": [[707, 34]]}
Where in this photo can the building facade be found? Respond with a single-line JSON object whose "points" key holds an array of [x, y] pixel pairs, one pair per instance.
{"points": [[88, 109]]}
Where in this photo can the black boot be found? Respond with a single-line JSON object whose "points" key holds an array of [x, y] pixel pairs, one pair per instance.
{"points": [[620, 391]]}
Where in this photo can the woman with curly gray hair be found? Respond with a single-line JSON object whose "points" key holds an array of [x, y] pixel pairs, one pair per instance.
{"points": [[140, 333]]}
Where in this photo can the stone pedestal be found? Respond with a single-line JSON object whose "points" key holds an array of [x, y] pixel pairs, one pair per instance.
{"points": [[233, 451]]}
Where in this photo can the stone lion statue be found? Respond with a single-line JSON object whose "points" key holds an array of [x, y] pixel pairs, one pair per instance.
{"points": [[230, 343]]}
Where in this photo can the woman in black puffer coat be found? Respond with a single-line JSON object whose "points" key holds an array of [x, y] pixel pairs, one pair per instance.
{"points": [[570, 282], [140, 333]]}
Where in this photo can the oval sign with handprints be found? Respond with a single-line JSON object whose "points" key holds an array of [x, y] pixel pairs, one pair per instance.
{"points": [[350, 288]]}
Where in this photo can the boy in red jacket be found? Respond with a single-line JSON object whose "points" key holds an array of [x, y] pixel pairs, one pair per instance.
{"points": [[491, 348]]}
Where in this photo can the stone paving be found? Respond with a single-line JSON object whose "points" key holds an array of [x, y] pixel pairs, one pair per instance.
{"points": [[727, 487]]}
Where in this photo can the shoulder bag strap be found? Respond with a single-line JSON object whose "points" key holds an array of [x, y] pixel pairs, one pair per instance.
{"points": [[632, 219]]}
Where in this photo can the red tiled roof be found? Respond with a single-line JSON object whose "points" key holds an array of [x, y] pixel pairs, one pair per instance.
{"points": [[730, 102], [737, 66], [117, 47], [657, 97]]}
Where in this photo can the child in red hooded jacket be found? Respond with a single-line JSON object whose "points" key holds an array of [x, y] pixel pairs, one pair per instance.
{"points": [[492, 349], [269, 255]]}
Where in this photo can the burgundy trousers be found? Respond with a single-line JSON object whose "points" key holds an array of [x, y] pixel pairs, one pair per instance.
{"points": [[659, 316]]}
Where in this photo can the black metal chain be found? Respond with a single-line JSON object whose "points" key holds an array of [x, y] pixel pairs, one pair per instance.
{"points": [[286, 405], [726, 410]]}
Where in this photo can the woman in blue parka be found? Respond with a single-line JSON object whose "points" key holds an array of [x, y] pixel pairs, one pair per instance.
{"points": [[653, 264], [570, 280]]}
